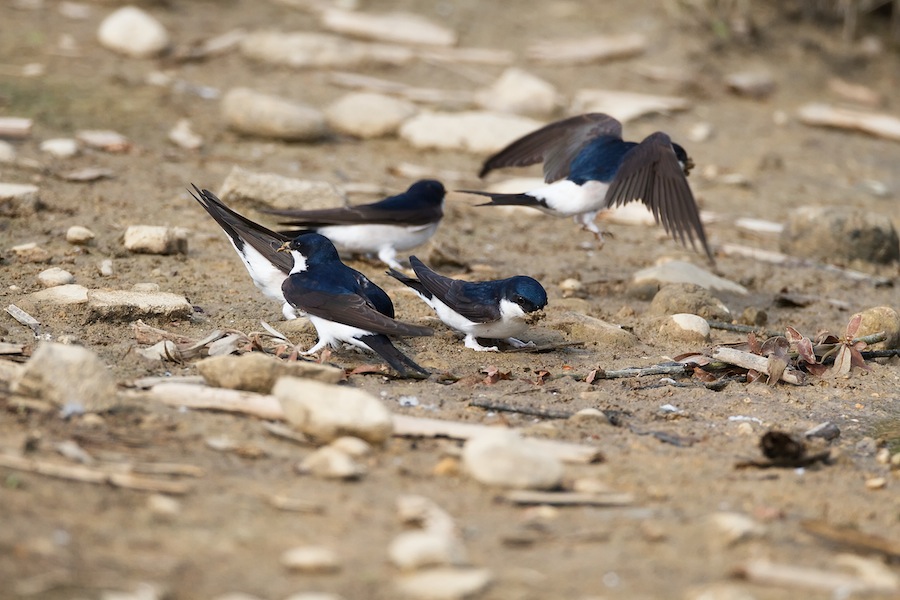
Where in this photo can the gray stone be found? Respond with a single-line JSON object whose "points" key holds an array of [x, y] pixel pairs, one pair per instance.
{"points": [[583, 327], [519, 92], [258, 372], [305, 50], [78, 235], [423, 548], [155, 239], [18, 199], [478, 132], [328, 411], [369, 115], [839, 234], [504, 458], [277, 191], [688, 298], [67, 375], [254, 113], [678, 271], [444, 583], [61, 295], [753, 84], [132, 32], [121, 305], [54, 276]]}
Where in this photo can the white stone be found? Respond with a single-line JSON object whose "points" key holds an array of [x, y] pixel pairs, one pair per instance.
{"points": [[183, 135], [685, 327], [122, 305], [399, 27], [60, 147], [155, 239], [352, 446], [79, 235], [254, 113], [18, 199], [104, 139], [132, 32], [755, 84], [444, 583], [417, 549], [61, 295], [328, 411], [519, 92], [105, 268], [160, 351], [368, 115], [258, 372], [597, 48], [278, 191], [625, 106], [318, 50], [478, 132], [331, 463], [67, 375], [678, 271], [736, 527], [311, 559], [163, 506], [55, 276], [504, 458], [7, 152]]}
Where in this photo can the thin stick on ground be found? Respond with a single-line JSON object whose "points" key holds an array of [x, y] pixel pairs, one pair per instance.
{"points": [[544, 413], [668, 369]]}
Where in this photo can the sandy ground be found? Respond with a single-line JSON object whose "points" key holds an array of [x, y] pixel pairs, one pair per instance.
{"points": [[73, 540]]}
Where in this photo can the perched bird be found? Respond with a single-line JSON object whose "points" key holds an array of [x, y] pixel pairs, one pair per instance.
{"points": [[338, 301], [307, 276], [480, 309], [386, 227], [589, 167]]}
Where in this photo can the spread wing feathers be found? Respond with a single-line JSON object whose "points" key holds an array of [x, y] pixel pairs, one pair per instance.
{"points": [[508, 199], [347, 309], [242, 230], [650, 172], [381, 345], [556, 145], [459, 295], [362, 214]]}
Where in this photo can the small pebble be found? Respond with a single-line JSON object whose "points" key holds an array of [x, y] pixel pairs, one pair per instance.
{"points": [[505, 459], [684, 327], [331, 463], [752, 84], [106, 268], [60, 147], [55, 276], [876, 483], [444, 583], [183, 135], [736, 527], [104, 139], [78, 235], [883, 456], [519, 92], [878, 319], [700, 132], [18, 199], [31, 253], [352, 446], [473, 131], [590, 415], [163, 506], [369, 115], [151, 239], [133, 32], [254, 113], [311, 559], [7, 152]]}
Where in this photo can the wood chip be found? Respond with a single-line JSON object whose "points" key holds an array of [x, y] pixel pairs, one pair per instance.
{"points": [[355, 81], [877, 124], [852, 539], [15, 127], [206, 398], [765, 572], [290, 504], [24, 318], [746, 360], [586, 50]]}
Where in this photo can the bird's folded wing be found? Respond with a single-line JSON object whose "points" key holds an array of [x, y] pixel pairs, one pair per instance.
{"points": [[457, 294], [363, 214]]}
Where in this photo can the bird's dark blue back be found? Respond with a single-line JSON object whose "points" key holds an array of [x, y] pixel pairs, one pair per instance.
{"points": [[599, 160], [427, 192]]}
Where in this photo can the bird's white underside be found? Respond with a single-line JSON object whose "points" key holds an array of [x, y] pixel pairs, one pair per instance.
{"points": [[383, 240], [334, 334], [267, 277], [511, 323], [566, 198]]}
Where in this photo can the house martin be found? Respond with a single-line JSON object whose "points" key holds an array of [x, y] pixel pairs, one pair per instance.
{"points": [[258, 248], [338, 301], [479, 309], [588, 167], [397, 223]]}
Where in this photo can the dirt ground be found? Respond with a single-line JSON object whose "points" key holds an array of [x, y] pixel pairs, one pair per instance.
{"points": [[63, 539]]}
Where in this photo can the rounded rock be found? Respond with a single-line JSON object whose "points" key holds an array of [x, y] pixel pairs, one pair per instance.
{"points": [[55, 276], [505, 459], [60, 147], [311, 559], [79, 235], [253, 113], [684, 327], [519, 92], [837, 234], [688, 298], [331, 463], [132, 32], [877, 319], [369, 115]]}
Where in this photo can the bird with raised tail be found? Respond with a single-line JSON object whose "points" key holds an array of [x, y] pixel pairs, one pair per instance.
{"points": [[497, 310], [588, 167]]}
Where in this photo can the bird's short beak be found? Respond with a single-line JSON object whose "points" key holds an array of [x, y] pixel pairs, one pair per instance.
{"points": [[688, 165], [285, 247]]}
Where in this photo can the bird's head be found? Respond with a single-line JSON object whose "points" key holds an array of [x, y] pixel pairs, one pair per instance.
{"points": [[310, 248], [527, 293], [686, 163], [428, 189]]}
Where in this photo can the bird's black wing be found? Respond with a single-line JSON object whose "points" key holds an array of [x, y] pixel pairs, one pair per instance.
{"points": [[410, 282], [347, 308], [405, 366], [556, 144], [461, 296], [362, 214], [242, 230], [650, 172], [497, 199]]}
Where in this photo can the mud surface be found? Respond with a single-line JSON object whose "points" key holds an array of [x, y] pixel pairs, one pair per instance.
{"points": [[65, 540]]}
